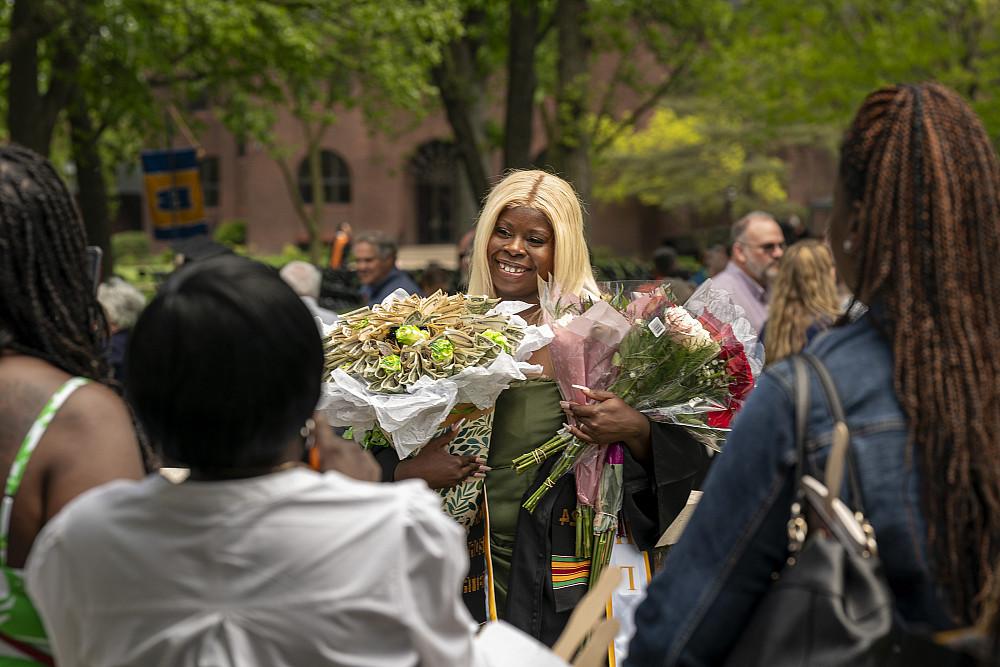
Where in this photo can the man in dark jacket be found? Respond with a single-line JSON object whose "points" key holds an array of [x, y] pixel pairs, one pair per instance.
{"points": [[375, 263]]}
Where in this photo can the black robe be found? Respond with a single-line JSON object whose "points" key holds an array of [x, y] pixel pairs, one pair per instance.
{"points": [[653, 496]]}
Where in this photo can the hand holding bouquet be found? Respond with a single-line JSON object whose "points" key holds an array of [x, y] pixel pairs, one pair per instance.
{"points": [[688, 367]]}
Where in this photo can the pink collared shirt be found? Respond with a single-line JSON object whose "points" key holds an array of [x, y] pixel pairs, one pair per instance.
{"points": [[746, 292]]}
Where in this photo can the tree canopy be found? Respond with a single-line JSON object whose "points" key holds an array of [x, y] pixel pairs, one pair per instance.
{"points": [[608, 83]]}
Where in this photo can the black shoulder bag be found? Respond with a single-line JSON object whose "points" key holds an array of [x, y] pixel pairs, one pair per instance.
{"points": [[831, 604]]}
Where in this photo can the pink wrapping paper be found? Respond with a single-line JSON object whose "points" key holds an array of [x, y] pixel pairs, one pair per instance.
{"points": [[582, 351]]}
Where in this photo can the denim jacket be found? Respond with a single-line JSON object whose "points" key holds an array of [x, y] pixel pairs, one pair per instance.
{"points": [[698, 605]]}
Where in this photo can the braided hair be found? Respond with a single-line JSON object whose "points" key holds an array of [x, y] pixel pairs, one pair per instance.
{"points": [[923, 183], [48, 309]]}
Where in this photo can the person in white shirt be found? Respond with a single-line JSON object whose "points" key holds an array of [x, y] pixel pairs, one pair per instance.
{"points": [[306, 280], [254, 559]]}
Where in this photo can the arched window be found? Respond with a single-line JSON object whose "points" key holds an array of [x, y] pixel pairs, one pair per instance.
{"points": [[336, 179], [435, 169]]}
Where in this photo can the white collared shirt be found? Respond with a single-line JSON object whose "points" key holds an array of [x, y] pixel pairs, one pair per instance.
{"points": [[289, 569]]}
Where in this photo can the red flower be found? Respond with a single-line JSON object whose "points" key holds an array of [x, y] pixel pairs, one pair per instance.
{"points": [[737, 366], [720, 418]]}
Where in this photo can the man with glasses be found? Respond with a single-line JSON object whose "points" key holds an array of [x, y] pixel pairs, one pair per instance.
{"points": [[757, 247]]}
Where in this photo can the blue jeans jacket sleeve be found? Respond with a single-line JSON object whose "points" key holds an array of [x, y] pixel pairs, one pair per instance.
{"points": [[736, 539]]}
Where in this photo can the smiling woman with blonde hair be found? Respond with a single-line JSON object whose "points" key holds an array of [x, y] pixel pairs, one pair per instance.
{"points": [[523, 566], [804, 301], [555, 199]]}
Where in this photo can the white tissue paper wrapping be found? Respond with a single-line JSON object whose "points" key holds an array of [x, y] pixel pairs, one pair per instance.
{"points": [[412, 419]]}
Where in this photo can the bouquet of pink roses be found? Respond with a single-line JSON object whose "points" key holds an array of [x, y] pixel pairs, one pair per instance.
{"points": [[691, 366]]}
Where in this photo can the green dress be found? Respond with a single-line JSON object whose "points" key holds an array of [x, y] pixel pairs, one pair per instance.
{"points": [[527, 414]]}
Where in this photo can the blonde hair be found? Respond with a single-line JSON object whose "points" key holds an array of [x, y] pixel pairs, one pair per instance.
{"points": [[805, 293], [556, 200]]}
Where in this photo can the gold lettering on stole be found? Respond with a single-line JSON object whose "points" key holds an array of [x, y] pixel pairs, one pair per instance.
{"points": [[477, 547], [473, 584]]}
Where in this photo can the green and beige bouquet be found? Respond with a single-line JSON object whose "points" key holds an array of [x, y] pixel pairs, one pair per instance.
{"points": [[400, 371]]}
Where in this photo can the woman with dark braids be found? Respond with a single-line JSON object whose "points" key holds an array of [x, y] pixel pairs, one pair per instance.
{"points": [[62, 431], [916, 235]]}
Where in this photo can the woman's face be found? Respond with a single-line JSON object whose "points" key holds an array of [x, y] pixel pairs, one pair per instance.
{"points": [[521, 250]]}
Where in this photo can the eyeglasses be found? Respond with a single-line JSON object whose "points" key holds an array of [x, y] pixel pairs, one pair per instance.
{"points": [[768, 248]]}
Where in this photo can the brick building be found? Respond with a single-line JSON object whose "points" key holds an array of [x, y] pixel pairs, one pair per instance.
{"points": [[409, 184]]}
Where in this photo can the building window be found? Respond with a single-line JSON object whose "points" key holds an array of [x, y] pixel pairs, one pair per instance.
{"points": [[435, 169], [336, 179], [208, 169]]}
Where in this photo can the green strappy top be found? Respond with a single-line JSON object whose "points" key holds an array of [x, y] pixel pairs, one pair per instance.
{"points": [[22, 636]]}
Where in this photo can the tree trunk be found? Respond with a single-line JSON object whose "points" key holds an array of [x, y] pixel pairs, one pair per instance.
{"points": [[570, 152], [292, 187], [32, 114], [24, 101], [521, 43], [460, 119], [318, 198], [92, 197], [460, 86]]}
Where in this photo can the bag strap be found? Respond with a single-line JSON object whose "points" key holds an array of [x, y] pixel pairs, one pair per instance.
{"points": [[801, 420], [797, 526], [841, 457]]}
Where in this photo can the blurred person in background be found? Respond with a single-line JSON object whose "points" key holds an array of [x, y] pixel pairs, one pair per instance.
{"points": [[305, 280], [464, 258], [915, 233], [375, 263], [804, 301], [122, 305], [62, 430], [340, 249], [665, 269], [434, 278], [757, 248], [713, 261], [794, 230]]}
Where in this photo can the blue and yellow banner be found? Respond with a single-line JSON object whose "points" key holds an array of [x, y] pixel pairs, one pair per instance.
{"points": [[173, 193]]}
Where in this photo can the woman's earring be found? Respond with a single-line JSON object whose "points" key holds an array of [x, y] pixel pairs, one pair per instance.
{"points": [[848, 246], [308, 433]]}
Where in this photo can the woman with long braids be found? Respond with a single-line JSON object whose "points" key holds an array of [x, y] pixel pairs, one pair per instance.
{"points": [[804, 300], [62, 431], [916, 235]]}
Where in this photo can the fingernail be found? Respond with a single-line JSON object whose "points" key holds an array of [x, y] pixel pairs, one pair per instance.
{"points": [[564, 405], [485, 468], [457, 426], [479, 475], [580, 387]]}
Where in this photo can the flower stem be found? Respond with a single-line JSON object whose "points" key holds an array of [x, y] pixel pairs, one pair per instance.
{"points": [[535, 457], [584, 529], [603, 543]]}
